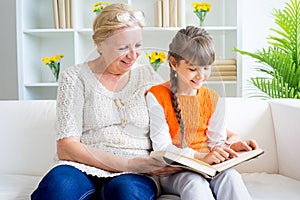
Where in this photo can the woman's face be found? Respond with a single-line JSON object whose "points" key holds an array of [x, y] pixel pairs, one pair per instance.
{"points": [[190, 78], [121, 50]]}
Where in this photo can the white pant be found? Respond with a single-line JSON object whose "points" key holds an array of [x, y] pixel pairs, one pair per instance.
{"points": [[191, 186]]}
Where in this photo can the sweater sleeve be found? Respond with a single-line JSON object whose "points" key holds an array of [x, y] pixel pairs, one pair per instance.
{"points": [[216, 131], [159, 129], [69, 104]]}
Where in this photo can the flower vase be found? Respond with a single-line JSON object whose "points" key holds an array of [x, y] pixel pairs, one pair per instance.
{"points": [[201, 23], [155, 66], [201, 16], [47, 74], [50, 73], [55, 71]]}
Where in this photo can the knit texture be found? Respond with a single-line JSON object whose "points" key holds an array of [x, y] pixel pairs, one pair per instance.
{"points": [[115, 122], [195, 110]]}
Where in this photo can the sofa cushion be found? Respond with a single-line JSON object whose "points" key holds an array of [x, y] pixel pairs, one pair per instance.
{"points": [[260, 186], [17, 187], [28, 136], [252, 119], [271, 186], [286, 115]]}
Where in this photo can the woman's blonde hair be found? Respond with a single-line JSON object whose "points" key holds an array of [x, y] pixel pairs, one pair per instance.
{"points": [[111, 18]]}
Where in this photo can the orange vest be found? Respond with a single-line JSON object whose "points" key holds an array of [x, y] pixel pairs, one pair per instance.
{"points": [[195, 112]]}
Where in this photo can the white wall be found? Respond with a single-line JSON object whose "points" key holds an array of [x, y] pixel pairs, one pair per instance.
{"points": [[8, 51], [255, 21], [253, 34]]}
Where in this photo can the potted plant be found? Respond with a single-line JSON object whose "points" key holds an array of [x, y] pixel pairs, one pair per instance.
{"points": [[280, 61]]}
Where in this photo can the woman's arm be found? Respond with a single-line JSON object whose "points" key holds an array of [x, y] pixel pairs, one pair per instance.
{"points": [[71, 149], [69, 123]]}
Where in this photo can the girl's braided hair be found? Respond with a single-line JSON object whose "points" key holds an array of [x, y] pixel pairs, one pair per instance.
{"points": [[195, 46]]}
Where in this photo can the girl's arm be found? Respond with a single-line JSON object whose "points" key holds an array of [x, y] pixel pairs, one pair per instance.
{"points": [[159, 129], [216, 130]]}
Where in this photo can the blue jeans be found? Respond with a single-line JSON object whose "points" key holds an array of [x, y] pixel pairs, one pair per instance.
{"points": [[68, 183]]}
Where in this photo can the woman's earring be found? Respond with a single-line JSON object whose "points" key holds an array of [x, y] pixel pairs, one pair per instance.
{"points": [[175, 74]]}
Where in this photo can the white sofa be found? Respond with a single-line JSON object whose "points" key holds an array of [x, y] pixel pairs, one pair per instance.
{"points": [[28, 146]]}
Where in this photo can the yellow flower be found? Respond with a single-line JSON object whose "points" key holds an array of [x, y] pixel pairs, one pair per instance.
{"points": [[200, 9], [99, 6], [156, 58], [53, 62]]}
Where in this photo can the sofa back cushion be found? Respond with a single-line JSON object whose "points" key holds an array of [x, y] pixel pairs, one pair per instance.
{"points": [[286, 115], [27, 130], [252, 119], [27, 136]]}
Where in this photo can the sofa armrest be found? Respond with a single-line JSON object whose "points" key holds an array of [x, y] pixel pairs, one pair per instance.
{"points": [[286, 115]]}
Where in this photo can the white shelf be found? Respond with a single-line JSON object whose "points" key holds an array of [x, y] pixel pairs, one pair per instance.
{"points": [[42, 84], [209, 28], [37, 38]]}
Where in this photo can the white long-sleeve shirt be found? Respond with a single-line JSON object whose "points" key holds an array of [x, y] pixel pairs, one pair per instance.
{"points": [[159, 129]]}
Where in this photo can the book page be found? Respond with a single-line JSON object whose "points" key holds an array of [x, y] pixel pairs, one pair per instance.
{"points": [[185, 162], [243, 156]]}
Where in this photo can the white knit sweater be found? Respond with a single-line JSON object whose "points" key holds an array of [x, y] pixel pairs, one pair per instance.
{"points": [[115, 122]]}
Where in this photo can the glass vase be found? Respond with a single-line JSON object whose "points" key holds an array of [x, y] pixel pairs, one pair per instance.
{"points": [[155, 66]]}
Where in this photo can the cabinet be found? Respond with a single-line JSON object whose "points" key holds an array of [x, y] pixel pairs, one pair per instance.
{"points": [[37, 37]]}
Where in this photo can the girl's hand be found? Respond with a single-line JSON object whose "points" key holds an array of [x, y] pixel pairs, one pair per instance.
{"points": [[247, 145], [218, 155]]}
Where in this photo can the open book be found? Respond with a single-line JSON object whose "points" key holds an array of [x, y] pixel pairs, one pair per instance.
{"points": [[208, 171]]}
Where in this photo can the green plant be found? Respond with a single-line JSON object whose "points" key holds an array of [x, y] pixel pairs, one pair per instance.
{"points": [[99, 6], [201, 9], [53, 62], [156, 58], [280, 61]]}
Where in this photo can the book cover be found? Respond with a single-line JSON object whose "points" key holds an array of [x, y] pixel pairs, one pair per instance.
{"points": [[165, 13], [223, 73], [55, 13], [180, 13], [158, 11], [61, 13], [173, 13], [208, 171], [228, 67], [67, 14], [222, 78], [225, 62], [71, 13]]}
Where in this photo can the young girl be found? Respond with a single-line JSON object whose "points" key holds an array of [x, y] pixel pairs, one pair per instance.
{"points": [[189, 118]]}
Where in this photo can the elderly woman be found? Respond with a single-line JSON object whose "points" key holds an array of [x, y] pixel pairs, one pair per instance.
{"points": [[102, 120]]}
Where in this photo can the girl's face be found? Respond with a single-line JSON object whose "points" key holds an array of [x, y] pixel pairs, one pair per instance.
{"points": [[190, 78], [121, 50]]}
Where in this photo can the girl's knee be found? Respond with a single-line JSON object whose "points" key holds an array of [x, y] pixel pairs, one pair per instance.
{"points": [[231, 174]]}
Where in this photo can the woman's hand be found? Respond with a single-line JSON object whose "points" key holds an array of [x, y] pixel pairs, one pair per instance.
{"points": [[165, 171], [152, 166]]}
